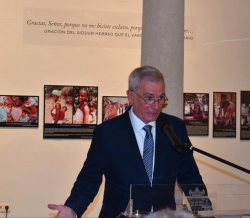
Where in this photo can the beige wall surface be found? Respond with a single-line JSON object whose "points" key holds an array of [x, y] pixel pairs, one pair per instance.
{"points": [[35, 171], [217, 51]]}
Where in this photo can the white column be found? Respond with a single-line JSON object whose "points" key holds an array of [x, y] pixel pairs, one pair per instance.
{"points": [[163, 46]]}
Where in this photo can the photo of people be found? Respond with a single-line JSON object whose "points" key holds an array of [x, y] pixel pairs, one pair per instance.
{"points": [[58, 104], [113, 106], [245, 115], [19, 111], [224, 114], [85, 105], [70, 111], [196, 113]]}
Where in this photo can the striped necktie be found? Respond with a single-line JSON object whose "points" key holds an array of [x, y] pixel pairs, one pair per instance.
{"points": [[148, 151]]}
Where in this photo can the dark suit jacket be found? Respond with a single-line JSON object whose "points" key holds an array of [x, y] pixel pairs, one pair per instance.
{"points": [[114, 153]]}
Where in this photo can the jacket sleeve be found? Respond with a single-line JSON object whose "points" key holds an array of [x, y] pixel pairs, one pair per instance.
{"points": [[188, 170], [189, 177], [89, 179]]}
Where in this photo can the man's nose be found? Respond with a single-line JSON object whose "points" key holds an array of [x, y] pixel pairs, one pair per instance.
{"points": [[156, 105]]}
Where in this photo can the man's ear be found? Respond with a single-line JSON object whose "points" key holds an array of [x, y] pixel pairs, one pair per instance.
{"points": [[130, 96]]}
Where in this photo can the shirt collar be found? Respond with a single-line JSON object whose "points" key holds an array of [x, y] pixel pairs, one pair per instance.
{"points": [[137, 123]]}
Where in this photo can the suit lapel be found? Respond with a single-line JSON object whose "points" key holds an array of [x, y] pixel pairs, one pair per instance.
{"points": [[161, 145], [135, 155]]}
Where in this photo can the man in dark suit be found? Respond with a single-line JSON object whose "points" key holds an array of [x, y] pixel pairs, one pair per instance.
{"points": [[117, 152]]}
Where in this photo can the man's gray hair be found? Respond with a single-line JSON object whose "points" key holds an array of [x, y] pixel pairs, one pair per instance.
{"points": [[167, 213], [145, 72]]}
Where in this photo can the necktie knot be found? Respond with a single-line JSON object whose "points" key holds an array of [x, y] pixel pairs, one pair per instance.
{"points": [[147, 129]]}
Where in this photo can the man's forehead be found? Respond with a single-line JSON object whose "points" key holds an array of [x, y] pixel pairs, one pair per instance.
{"points": [[151, 93], [145, 82], [152, 87]]}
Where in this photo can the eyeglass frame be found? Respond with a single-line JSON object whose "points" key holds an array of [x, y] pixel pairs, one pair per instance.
{"points": [[153, 100]]}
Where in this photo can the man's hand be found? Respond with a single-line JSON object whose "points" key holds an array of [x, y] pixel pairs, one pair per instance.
{"points": [[63, 211]]}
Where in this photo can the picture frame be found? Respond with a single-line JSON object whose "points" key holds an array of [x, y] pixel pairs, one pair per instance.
{"points": [[113, 106], [196, 113], [70, 111], [19, 111], [224, 114]]}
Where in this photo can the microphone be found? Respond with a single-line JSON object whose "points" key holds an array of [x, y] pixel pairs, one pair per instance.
{"points": [[175, 141]]}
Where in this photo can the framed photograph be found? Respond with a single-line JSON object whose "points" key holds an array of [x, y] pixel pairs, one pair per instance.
{"points": [[19, 111], [113, 106], [70, 111], [245, 115], [196, 113], [224, 114]]}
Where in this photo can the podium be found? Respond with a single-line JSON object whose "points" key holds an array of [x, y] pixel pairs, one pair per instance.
{"points": [[221, 200]]}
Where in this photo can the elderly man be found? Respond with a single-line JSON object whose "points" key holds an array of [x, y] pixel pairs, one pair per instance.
{"points": [[133, 149]]}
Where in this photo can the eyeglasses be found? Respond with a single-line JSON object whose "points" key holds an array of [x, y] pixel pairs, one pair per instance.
{"points": [[149, 100]]}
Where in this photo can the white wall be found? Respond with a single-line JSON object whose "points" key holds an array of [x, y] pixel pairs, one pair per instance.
{"points": [[218, 60], [34, 171]]}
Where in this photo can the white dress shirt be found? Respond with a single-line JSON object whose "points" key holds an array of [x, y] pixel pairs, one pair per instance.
{"points": [[140, 133]]}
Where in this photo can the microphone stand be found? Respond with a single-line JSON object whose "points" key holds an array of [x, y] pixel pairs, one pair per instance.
{"points": [[178, 146], [190, 147]]}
